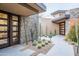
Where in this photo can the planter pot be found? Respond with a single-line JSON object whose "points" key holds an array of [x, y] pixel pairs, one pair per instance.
{"points": [[76, 50]]}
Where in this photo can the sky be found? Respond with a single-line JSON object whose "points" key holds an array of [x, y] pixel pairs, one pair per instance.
{"points": [[51, 7]]}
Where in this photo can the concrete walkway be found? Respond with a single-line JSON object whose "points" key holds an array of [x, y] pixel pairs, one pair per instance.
{"points": [[16, 51], [61, 47]]}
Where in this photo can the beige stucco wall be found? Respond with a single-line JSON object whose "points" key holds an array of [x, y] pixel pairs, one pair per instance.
{"points": [[46, 23]]}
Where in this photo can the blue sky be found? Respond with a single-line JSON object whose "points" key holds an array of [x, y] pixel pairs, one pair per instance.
{"points": [[51, 7]]}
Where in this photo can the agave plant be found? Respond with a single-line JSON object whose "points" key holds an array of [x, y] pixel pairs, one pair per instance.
{"points": [[39, 46], [34, 43]]}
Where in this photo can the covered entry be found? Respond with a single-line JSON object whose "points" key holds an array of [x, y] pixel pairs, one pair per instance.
{"points": [[10, 17], [61, 22]]}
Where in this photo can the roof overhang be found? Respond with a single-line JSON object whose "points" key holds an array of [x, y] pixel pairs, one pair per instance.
{"points": [[23, 9], [61, 19], [58, 11]]}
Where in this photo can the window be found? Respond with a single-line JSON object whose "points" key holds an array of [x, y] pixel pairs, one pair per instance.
{"points": [[15, 18], [14, 33], [15, 23], [2, 15], [3, 35], [3, 28], [15, 28], [3, 22]]}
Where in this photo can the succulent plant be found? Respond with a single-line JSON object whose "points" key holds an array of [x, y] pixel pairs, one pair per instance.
{"points": [[39, 41], [43, 40], [43, 44], [34, 43], [46, 42], [39, 46], [49, 41]]}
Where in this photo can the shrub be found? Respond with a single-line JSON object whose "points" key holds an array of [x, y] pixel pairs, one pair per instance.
{"points": [[49, 41], [45, 35], [43, 44], [39, 46], [34, 43], [39, 41], [50, 35], [72, 34], [46, 42]]}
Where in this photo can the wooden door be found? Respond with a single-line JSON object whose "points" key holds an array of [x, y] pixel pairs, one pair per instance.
{"points": [[9, 29], [4, 39], [62, 28]]}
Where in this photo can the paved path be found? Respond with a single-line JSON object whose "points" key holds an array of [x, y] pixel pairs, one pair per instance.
{"points": [[61, 47], [16, 51]]}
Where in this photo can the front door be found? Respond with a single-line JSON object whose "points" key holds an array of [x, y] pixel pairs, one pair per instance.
{"points": [[4, 39], [15, 29], [62, 28], [9, 29]]}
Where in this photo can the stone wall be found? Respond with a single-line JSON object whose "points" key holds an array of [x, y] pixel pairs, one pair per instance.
{"points": [[29, 28], [67, 26]]}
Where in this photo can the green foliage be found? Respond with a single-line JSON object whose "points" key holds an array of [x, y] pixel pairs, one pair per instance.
{"points": [[72, 35], [49, 41], [43, 40], [39, 46], [34, 43], [46, 42], [43, 43], [39, 41], [50, 35], [78, 33]]}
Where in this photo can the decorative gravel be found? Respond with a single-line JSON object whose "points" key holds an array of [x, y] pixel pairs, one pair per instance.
{"points": [[43, 50]]}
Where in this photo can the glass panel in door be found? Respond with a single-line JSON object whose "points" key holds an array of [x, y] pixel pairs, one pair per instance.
{"points": [[3, 29], [15, 29]]}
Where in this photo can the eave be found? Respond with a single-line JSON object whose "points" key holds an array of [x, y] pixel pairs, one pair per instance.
{"points": [[61, 19], [23, 9]]}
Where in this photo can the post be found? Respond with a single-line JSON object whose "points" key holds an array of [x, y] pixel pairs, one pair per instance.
{"points": [[76, 27]]}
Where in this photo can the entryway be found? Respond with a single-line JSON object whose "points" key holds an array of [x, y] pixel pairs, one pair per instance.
{"points": [[62, 28], [9, 29]]}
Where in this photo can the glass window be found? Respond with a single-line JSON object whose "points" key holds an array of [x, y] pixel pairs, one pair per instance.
{"points": [[2, 15], [14, 39], [3, 35], [15, 28], [3, 22], [14, 18], [3, 41], [15, 23], [14, 33], [3, 28]]}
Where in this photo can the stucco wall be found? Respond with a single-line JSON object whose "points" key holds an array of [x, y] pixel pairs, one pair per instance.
{"points": [[48, 26], [31, 27]]}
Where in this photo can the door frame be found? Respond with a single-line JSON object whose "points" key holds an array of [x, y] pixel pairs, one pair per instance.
{"points": [[9, 38]]}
